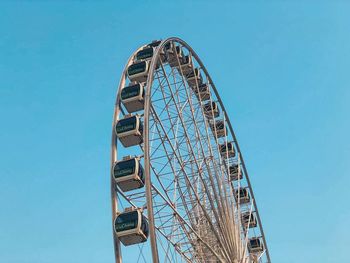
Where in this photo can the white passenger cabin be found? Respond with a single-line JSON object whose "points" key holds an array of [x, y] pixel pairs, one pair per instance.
{"points": [[145, 54], [243, 195], [227, 150], [249, 220], [235, 173], [174, 55], [132, 97], [129, 130], [211, 110], [138, 71], [131, 227], [186, 66], [218, 128], [255, 245], [194, 78], [162, 54], [129, 174], [202, 92]]}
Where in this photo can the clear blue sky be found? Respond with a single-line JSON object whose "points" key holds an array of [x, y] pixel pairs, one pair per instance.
{"points": [[281, 67]]}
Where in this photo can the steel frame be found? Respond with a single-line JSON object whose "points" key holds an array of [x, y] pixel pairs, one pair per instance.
{"points": [[203, 215]]}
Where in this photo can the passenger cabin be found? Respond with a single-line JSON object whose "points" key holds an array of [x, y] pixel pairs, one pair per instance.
{"points": [[132, 97], [235, 173], [218, 128], [174, 55], [243, 195], [138, 71], [163, 52], [211, 110], [227, 150], [185, 65], [145, 54], [129, 174], [155, 44], [131, 227], [249, 220], [255, 245], [202, 92], [129, 130], [194, 77]]}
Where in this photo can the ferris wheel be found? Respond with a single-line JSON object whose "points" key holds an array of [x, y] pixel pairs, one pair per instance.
{"points": [[179, 186]]}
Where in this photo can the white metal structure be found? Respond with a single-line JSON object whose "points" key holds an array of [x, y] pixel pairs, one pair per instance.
{"points": [[192, 206]]}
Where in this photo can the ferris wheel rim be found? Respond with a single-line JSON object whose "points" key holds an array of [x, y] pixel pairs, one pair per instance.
{"points": [[113, 157], [148, 181]]}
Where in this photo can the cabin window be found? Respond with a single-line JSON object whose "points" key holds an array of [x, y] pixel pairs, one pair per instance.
{"points": [[178, 50], [233, 169], [141, 173], [194, 73], [223, 148], [137, 68], [209, 106], [124, 168], [130, 91], [255, 242], [229, 146], [125, 125], [219, 125], [140, 127], [185, 60], [145, 228], [246, 217], [243, 193], [203, 88], [145, 53], [126, 221]]}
